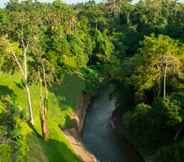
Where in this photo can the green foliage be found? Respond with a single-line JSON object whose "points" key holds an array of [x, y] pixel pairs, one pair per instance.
{"points": [[149, 63], [138, 46], [29, 146], [143, 126], [171, 153], [11, 136], [5, 150], [92, 79], [146, 75], [172, 111]]}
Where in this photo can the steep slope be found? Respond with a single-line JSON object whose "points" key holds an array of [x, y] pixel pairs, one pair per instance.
{"points": [[62, 101]]}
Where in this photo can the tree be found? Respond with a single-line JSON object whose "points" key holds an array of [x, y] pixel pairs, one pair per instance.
{"points": [[43, 102], [20, 42], [158, 60], [12, 50]]}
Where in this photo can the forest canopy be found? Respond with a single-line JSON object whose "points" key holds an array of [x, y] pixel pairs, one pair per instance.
{"points": [[139, 47]]}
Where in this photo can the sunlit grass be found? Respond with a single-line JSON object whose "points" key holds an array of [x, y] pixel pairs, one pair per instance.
{"points": [[62, 101]]}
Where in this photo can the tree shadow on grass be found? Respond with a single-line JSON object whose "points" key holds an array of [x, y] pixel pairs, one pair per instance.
{"points": [[6, 91], [68, 92], [19, 84], [58, 151], [55, 151], [34, 130]]}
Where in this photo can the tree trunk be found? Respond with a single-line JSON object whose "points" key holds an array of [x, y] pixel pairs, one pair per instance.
{"points": [[165, 80], [31, 119], [128, 18], [24, 77], [160, 85], [44, 123], [43, 106]]}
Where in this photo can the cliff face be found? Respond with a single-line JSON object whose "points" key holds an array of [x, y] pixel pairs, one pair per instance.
{"points": [[81, 110], [77, 118], [74, 134]]}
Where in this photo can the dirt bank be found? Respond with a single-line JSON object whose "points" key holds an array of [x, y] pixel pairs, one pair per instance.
{"points": [[74, 134]]}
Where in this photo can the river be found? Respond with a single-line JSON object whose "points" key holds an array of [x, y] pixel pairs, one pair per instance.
{"points": [[98, 135]]}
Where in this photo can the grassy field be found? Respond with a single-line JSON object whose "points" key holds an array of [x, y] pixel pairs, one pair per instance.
{"points": [[62, 101]]}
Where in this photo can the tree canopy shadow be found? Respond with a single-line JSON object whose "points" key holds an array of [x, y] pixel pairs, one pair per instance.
{"points": [[53, 150], [6, 91], [19, 84], [68, 91], [34, 130], [58, 151]]}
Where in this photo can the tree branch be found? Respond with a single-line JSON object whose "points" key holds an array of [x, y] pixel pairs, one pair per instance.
{"points": [[18, 64]]}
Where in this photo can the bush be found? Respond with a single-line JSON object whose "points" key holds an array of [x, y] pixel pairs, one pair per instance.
{"points": [[170, 111], [5, 153], [12, 144], [146, 128], [171, 153]]}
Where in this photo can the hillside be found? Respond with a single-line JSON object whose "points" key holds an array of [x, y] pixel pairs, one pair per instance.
{"points": [[61, 103]]}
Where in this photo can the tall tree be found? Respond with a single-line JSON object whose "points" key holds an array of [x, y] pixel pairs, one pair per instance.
{"points": [[159, 59]]}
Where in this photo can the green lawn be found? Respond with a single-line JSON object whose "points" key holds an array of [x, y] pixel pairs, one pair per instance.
{"points": [[62, 101]]}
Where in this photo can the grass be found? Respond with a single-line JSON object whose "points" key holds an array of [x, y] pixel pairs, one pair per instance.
{"points": [[62, 101]]}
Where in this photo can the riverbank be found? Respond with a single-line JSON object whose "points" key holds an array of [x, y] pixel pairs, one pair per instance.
{"points": [[116, 119], [74, 133], [87, 104], [79, 149]]}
